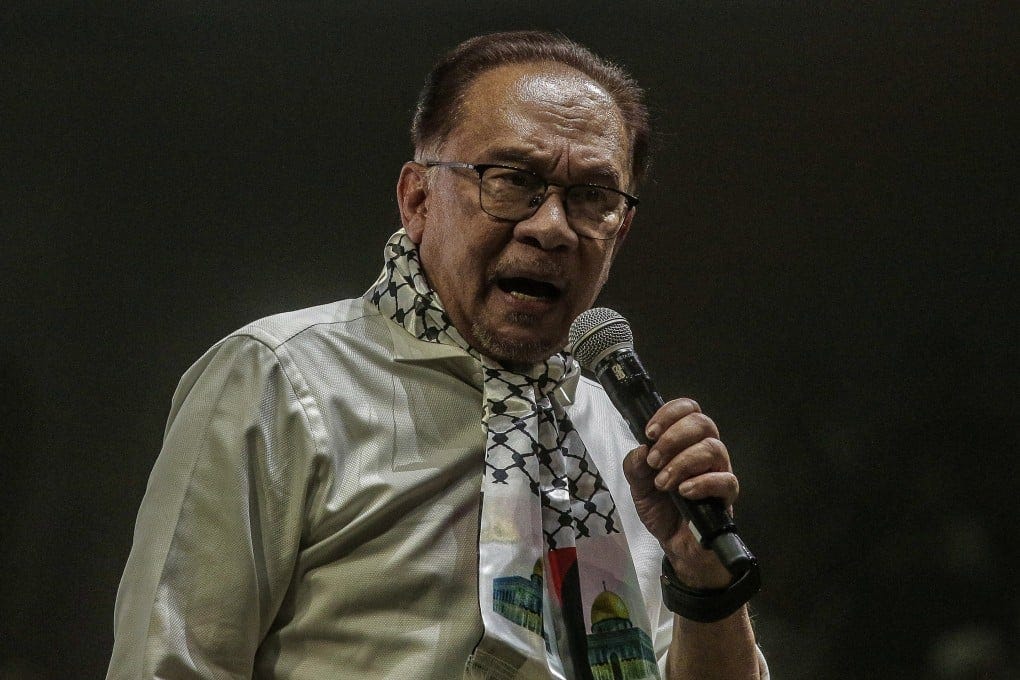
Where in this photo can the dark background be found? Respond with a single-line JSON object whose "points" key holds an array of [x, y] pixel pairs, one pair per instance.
{"points": [[823, 258]]}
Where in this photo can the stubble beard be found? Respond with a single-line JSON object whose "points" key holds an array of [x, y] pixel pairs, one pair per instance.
{"points": [[513, 354]]}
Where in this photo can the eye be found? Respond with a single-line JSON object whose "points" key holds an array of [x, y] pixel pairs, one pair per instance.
{"points": [[592, 194], [520, 179], [512, 178]]}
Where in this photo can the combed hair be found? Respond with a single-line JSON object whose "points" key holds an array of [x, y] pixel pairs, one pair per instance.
{"points": [[441, 100]]}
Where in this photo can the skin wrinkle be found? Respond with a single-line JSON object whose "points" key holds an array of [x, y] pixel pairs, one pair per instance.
{"points": [[461, 247], [560, 125], [573, 106]]}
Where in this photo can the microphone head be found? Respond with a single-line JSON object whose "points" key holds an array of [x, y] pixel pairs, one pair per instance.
{"points": [[595, 334]]}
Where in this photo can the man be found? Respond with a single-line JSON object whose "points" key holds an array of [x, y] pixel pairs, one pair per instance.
{"points": [[316, 509]]}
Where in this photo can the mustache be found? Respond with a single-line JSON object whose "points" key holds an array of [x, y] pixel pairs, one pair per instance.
{"points": [[542, 269]]}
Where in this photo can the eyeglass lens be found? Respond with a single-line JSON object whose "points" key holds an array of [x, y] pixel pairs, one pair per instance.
{"points": [[516, 194]]}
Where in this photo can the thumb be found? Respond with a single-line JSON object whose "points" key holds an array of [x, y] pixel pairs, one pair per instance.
{"points": [[638, 472]]}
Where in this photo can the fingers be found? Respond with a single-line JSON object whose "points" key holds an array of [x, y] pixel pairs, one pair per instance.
{"points": [[721, 485], [687, 455], [700, 471], [669, 414], [687, 430], [636, 468], [708, 455]]}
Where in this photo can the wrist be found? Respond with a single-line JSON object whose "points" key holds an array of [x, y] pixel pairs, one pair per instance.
{"points": [[700, 572], [706, 605]]}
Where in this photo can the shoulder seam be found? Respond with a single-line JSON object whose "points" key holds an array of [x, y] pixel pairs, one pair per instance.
{"points": [[279, 342]]}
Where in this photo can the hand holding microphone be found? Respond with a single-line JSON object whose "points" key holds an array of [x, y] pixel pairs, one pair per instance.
{"points": [[601, 340]]}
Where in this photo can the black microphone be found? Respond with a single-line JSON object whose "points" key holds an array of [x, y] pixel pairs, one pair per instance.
{"points": [[602, 342]]}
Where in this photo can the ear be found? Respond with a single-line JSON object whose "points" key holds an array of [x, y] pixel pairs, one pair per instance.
{"points": [[412, 193]]}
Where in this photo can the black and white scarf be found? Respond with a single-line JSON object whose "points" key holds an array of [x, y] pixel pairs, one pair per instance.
{"points": [[556, 585]]}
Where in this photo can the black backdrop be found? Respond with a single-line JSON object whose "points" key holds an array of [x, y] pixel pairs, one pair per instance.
{"points": [[823, 258]]}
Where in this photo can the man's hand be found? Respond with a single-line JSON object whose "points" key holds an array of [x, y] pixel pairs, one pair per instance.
{"points": [[687, 456]]}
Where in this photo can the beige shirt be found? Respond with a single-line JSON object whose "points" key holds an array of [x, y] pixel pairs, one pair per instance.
{"points": [[314, 510]]}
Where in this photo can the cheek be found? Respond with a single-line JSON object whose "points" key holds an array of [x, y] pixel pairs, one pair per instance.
{"points": [[434, 252], [598, 269], [451, 265]]}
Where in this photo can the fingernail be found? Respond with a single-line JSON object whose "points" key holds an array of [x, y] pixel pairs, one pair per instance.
{"points": [[661, 479], [654, 458], [652, 432], [686, 488]]}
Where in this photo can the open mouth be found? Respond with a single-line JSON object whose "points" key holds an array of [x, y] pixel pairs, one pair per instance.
{"points": [[528, 289]]}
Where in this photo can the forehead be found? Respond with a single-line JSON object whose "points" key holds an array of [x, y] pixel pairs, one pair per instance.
{"points": [[545, 114]]}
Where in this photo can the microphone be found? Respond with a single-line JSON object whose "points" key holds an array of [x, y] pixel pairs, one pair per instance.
{"points": [[602, 342]]}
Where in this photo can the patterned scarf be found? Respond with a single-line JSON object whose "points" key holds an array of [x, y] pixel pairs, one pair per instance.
{"points": [[558, 594]]}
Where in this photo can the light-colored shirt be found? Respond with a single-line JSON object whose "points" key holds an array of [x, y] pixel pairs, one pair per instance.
{"points": [[314, 510]]}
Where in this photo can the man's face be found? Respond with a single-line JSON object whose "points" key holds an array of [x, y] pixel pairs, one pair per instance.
{"points": [[512, 289]]}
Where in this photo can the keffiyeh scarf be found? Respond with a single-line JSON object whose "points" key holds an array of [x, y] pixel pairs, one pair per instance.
{"points": [[558, 594]]}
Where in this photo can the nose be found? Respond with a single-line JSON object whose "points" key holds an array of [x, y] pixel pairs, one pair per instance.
{"points": [[548, 228]]}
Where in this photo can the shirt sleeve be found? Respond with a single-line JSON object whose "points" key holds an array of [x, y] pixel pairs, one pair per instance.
{"points": [[219, 528]]}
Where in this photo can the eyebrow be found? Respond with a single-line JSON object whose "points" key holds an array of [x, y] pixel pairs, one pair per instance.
{"points": [[601, 174], [508, 154]]}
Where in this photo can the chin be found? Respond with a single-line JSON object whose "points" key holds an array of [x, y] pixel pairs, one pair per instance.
{"points": [[514, 351]]}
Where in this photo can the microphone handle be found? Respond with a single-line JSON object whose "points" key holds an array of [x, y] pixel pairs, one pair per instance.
{"points": [[632, 391]]}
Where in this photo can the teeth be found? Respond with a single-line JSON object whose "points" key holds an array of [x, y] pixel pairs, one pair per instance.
{"points": [[523, 296]]}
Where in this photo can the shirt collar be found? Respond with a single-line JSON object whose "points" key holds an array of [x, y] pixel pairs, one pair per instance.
{"points": [[411, 350]]}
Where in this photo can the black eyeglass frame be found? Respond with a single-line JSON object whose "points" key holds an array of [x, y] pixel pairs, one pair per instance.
{"points": [[480, 168]]}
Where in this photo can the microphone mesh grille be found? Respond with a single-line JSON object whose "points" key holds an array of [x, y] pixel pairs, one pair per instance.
{"points": [[594, 332]]}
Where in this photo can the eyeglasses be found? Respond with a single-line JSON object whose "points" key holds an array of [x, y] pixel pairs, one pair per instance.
{"points": [[509, 193]]}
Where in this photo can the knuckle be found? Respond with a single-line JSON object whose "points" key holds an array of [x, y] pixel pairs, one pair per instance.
{"points": [[676, 467], [703, 424], [680, 468], [686, 405], [733, 485], [668, 440], [716, 448]]}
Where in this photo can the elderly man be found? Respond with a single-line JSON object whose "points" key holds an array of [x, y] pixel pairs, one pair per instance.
{"points": [[418, 483]]}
